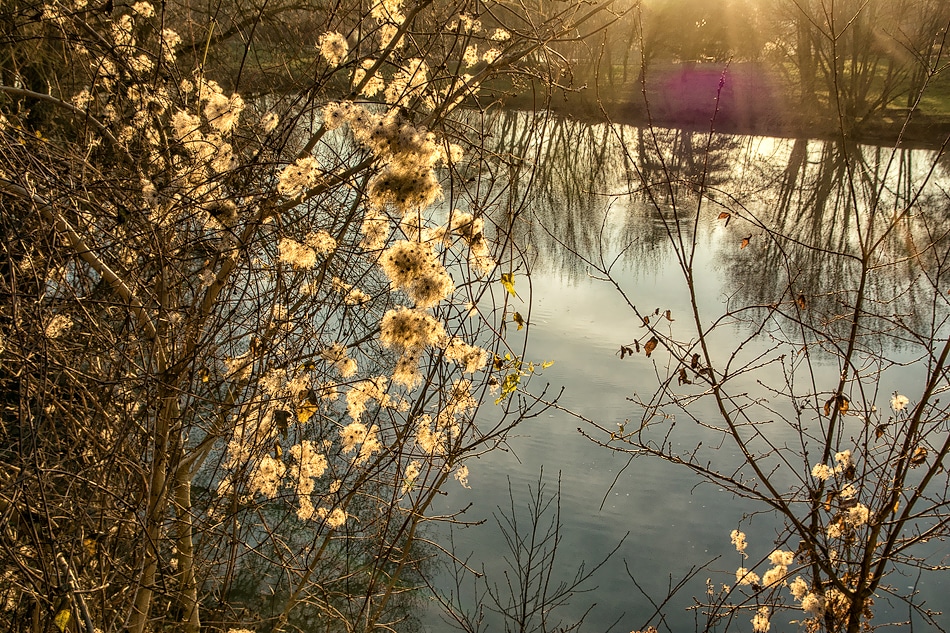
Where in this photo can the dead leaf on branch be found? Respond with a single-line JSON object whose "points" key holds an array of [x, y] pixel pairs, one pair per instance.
{"points": [[694, 363], [669, 316], [828, 499], [508, 281], [281, 420], [517, 318], [683, 379], [725, 216], [650, 346], [624, 350], [919, 456], [745, 242], [840, 402]]}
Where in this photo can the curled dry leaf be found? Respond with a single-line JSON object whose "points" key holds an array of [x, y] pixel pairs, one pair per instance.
{"points": [[841, 402], [725, 216], [650, 346], [745, 242], [683, 379], [828, 499]]}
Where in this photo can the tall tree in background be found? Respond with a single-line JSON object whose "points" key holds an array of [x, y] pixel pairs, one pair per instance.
{"points": [[857, 58]]}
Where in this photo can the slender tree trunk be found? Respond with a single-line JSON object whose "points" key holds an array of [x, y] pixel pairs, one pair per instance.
{"points": [[155, 512], [188, 587], [806, 67]]}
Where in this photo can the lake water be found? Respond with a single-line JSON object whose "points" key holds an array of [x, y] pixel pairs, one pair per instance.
{"points": [[665, 520]]}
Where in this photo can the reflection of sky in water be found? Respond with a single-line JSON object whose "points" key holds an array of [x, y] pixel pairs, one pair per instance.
{"points": [[673, 523], [580, 322]]}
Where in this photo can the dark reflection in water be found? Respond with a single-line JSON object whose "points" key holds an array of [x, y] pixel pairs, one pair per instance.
{"points": [[801, 203], [601, 198]]}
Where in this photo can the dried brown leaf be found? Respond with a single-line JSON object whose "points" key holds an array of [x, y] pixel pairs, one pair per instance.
{"points": [[650, 346], [683, 378]]}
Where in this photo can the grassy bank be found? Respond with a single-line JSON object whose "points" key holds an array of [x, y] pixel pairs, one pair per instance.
{"points": [[743, 98]]}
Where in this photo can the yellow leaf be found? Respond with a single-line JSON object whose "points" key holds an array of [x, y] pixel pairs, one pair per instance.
{"points": [[547, 364], [305, 412], [508, 281], [90, 545], [62, 619], [518, 319], [508, 386]]}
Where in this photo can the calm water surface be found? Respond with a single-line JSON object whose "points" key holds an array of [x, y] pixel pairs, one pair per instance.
{"points": [[665, 521]]}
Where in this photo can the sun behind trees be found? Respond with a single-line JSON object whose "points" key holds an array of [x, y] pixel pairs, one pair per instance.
{"points": [[250, 296]]}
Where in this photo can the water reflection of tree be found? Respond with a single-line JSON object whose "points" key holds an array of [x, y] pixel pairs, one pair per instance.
{"points": [[575, 171], [263, 576], [568, 165], [814, 208], [612, 195]]}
